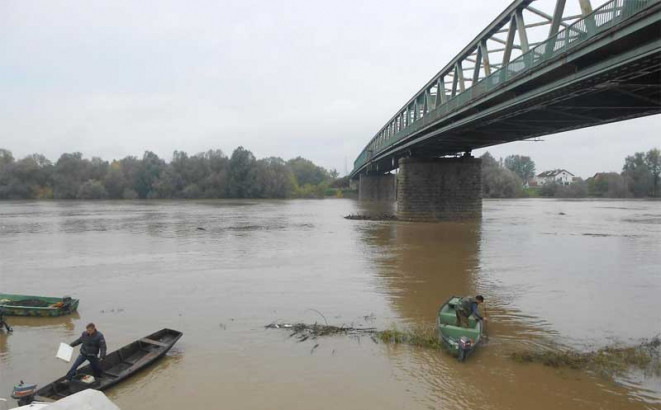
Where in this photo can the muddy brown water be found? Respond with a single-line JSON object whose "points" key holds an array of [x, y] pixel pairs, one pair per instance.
{"points": [[577, 273]]}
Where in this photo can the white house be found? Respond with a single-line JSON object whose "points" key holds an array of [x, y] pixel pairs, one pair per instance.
{"points": [[559, 176]]}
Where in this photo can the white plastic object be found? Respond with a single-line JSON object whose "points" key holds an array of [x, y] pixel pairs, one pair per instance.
{"points": [[64, 352]]}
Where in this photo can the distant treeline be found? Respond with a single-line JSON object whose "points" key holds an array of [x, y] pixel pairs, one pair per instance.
{"points": [[206, 175], [511, 178]]}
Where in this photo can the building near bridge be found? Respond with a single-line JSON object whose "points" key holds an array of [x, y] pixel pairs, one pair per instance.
{"points": [[558, 176]]}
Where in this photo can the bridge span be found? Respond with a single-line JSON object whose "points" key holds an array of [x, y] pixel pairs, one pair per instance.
{"points": [[598, 66]]}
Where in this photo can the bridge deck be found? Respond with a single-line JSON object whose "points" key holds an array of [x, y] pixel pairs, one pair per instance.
{"points": [[608, 70]]}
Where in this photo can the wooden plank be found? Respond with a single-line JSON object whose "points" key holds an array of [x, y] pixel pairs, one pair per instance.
{"points": [[111, 374], [153, 342]]}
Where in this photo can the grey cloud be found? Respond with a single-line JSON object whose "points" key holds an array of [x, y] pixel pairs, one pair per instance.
{"points": [[284, 78]]}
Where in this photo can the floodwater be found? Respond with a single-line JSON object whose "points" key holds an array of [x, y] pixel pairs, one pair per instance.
{"points": [[576, 273]]}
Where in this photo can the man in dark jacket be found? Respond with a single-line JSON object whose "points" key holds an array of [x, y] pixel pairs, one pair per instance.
{"points": [[468, 306], [93, 345]]}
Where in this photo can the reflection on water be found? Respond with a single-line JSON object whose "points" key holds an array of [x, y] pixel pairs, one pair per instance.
{"points": [[23, 324], [423, 264], [553, 272], [156, 375], [4, 335], [66, 321], [427, 275]]}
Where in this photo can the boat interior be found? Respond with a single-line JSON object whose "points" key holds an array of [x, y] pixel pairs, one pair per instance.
{"points": [[118, 365], [448, 318]]}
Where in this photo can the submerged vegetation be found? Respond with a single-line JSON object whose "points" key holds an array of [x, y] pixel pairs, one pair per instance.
{"points": [[608, 361], [419, 336], [303, 331], [369, 217]]}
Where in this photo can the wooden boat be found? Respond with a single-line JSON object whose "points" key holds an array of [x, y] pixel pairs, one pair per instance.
{"points": [[460, 341], [42, 306], [118, 366], [86, 399]]}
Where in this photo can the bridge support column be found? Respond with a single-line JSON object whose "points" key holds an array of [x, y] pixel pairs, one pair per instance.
{"points": [[377, 188], [439, 189]]}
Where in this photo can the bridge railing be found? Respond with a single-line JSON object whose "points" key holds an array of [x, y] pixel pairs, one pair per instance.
{"points": [[601, 19]]}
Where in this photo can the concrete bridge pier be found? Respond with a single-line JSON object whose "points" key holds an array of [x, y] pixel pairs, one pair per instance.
{"points": [[439, 189], [379, 188]]}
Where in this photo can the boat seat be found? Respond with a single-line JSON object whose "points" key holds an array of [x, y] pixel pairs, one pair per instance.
{"points": [[456, 332], [111, 374], [450, 318], [153, 342]]}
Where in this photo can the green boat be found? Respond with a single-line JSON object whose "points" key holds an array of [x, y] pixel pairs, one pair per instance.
{"points": [[42, 306], [460, 341]]}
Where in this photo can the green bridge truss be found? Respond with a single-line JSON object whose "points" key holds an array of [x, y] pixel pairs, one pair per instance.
{"points": [[485, 97]]}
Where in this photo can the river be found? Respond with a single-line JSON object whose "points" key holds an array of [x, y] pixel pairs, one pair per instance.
{"points": [[573, 273]]}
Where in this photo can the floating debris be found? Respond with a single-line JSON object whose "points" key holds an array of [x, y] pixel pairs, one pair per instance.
{"points": [[374, 217], [609, 361], [421, 337], [369, 318], [303, 331]]}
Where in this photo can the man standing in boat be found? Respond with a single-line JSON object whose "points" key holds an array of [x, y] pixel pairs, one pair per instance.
{"points": [[468, 306], [93, 345]]}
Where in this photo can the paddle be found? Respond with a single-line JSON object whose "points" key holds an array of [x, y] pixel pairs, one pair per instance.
{"points": [[484, 323]]}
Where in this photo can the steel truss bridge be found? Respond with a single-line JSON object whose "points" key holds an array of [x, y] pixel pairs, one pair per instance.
{"points": [[597, 66]]}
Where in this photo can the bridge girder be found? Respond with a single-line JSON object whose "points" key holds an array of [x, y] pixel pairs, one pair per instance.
{"points": [[490, 69]]}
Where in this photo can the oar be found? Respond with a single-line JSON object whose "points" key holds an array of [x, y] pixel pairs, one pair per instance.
{"points": [[484, 322]]}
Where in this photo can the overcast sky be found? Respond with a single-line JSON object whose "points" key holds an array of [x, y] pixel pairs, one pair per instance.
{"points": [[282, 78]]}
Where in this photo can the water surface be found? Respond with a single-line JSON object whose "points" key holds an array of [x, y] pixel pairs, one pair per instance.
{"points": [[576, 273]]}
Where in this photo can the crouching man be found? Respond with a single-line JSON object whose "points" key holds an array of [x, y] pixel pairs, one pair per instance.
{"points": [[93, 349], [466, 307]]}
